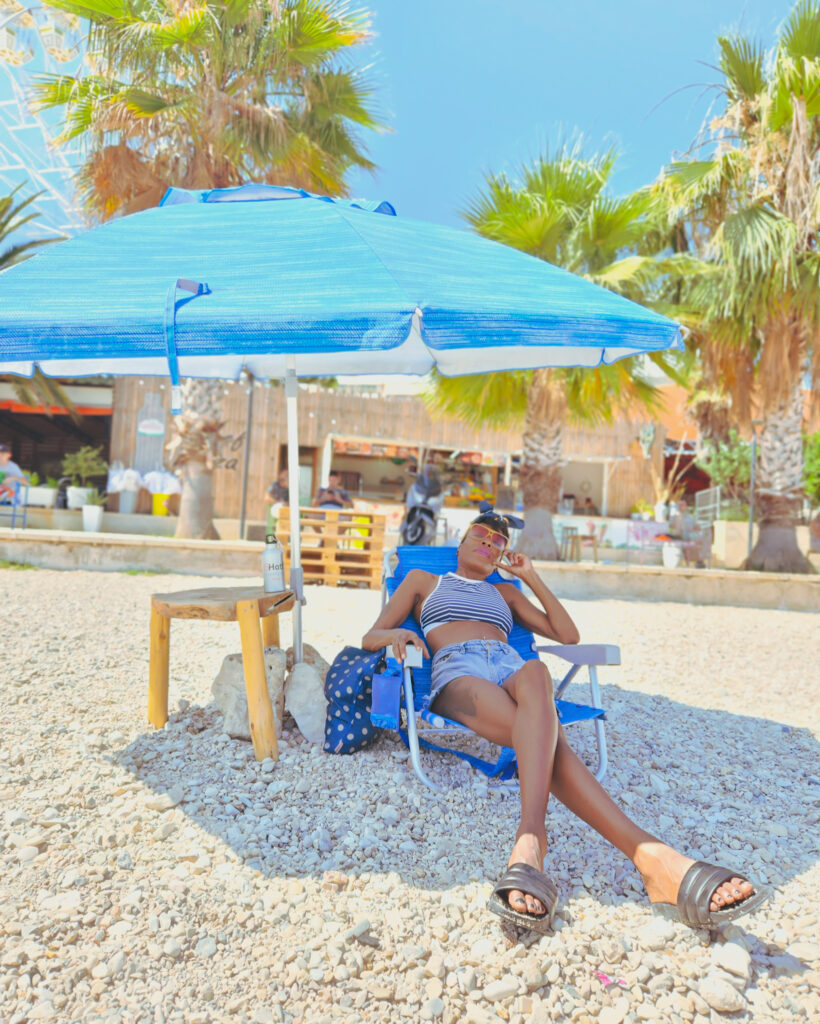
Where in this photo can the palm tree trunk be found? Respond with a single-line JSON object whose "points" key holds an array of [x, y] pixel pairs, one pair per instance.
{"points": [[778, 494], [194, 453], [541, 466], [196, 507]]}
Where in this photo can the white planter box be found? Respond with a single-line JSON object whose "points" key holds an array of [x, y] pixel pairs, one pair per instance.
{"points": [[77, 496], [41, 496], [92, 518]]}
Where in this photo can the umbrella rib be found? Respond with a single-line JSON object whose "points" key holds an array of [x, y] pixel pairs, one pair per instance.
{"points": [[387, 269]]}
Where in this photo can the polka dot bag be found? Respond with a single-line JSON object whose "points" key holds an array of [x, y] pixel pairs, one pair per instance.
{"points": [[349, 689]]}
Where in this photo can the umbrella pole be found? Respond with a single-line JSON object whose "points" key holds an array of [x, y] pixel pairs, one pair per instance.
{"points": [[296, 575], [244, 501]]}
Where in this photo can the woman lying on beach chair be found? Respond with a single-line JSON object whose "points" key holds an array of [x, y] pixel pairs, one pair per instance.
{"points": [[478, 680]]}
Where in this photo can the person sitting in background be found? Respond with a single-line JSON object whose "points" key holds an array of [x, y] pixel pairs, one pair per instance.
{"points": [[10, 473], [332, 496], [278, 492], [590, 508]]}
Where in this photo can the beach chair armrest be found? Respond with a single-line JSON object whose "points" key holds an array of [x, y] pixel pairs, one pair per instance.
{"points": [[584, 654]]}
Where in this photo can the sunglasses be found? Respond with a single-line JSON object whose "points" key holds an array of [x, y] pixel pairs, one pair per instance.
{"points": [[498, 540]]}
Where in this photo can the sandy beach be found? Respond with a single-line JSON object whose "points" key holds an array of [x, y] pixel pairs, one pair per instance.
{"points": [[167, 877]]}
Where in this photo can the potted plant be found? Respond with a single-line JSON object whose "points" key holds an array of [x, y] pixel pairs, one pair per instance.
{"points": [[81, 466], [93, 510], [642, 509], [42, 495]]}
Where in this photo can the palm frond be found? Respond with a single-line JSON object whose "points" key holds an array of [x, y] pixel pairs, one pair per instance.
{"points": [[741, 61], [800, 35], [495, 399]]}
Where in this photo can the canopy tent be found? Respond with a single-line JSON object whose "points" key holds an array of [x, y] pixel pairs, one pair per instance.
{"points": [[282, 283]]}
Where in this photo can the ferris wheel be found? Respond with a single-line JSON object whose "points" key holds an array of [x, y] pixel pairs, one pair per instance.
{"points": [[36, 41]]}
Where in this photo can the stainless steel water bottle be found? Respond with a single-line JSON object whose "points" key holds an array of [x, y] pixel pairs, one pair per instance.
{"points": [[273, 565]]}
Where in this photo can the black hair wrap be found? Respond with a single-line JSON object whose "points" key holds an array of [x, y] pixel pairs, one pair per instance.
{"points": [[487, 512]]}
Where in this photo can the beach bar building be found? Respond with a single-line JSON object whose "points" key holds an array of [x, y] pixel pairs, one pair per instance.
{"points": [[374, 440]]}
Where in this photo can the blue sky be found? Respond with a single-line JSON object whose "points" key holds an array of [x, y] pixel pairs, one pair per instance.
{"points": [[471, 86]]}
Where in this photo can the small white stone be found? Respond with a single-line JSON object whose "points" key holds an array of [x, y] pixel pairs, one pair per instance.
{"points": [[732, 958], [658, 934], [432, 1009], [165, 801], [501, 990], [27, 853], [172, 948], [206, 947], [809, 951], [720, 995], [614, 1014]]}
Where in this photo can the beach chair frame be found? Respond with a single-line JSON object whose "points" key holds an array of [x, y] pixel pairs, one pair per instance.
{"points": [[579, 656], [16, 510]]}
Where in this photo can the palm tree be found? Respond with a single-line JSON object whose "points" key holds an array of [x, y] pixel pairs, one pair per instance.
{"points": [[38, 389], [195, 452], [215, 94], [751, 209], [559, 210], [209, 96]]}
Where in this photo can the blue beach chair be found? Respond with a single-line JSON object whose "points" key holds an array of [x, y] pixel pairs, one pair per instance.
{"points": [[415, 677], [14, 507]]}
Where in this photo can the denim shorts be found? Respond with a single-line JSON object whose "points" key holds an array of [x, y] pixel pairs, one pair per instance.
{"points": [[487, 659]]}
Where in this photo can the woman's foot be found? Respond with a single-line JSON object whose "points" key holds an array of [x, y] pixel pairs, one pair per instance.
{"points": [[528, 849], [663, 868]]}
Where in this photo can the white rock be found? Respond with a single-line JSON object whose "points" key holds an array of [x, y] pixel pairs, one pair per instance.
{"points": [[432, 1009], [658, 934], [498, 991], [658, 784], [553, 973], [614, 1014], [809, 951], [27, 853], [720, 995], [230, 694], [166, 801], [206, 947], [312, 657], [172, 948], [305, 700], [732, 958]]}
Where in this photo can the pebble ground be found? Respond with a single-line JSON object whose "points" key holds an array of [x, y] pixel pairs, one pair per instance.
{"points": [[168, 877]]}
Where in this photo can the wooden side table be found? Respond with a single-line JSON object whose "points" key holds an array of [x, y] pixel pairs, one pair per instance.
{"points": [[257, 613]]}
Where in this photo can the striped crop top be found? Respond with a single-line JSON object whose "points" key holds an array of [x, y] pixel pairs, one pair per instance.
{"points": [[457, 599]]}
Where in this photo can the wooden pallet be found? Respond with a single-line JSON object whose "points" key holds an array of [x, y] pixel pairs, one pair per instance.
{"points": [[338, 547]]}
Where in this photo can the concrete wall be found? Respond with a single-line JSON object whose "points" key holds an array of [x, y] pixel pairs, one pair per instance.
{"points": [[578, 581]]}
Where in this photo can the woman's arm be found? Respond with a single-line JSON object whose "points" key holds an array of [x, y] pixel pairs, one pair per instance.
{"points": [[384, 632], [554, 621]]}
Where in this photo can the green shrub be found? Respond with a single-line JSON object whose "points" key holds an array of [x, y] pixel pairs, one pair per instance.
{"points": [[81, 466]]}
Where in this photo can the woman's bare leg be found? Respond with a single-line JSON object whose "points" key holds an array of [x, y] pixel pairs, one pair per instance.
{"points": [[491, 712], [661, 867], [520, 715]]}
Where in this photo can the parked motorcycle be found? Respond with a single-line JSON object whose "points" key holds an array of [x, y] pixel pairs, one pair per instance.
{"points": [[423, 504]]}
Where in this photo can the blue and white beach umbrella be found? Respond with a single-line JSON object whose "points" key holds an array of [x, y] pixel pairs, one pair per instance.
{"points": [[285, 284]]}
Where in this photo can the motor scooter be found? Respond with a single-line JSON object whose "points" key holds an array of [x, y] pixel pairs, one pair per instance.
{"points": [[423, 504]]}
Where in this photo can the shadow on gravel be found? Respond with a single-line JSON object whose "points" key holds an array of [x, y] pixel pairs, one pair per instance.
{"points": [[721, 786]]}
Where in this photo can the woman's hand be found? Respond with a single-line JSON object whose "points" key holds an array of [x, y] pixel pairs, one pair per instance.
{"points": [[515, 563], [403, 637]]}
